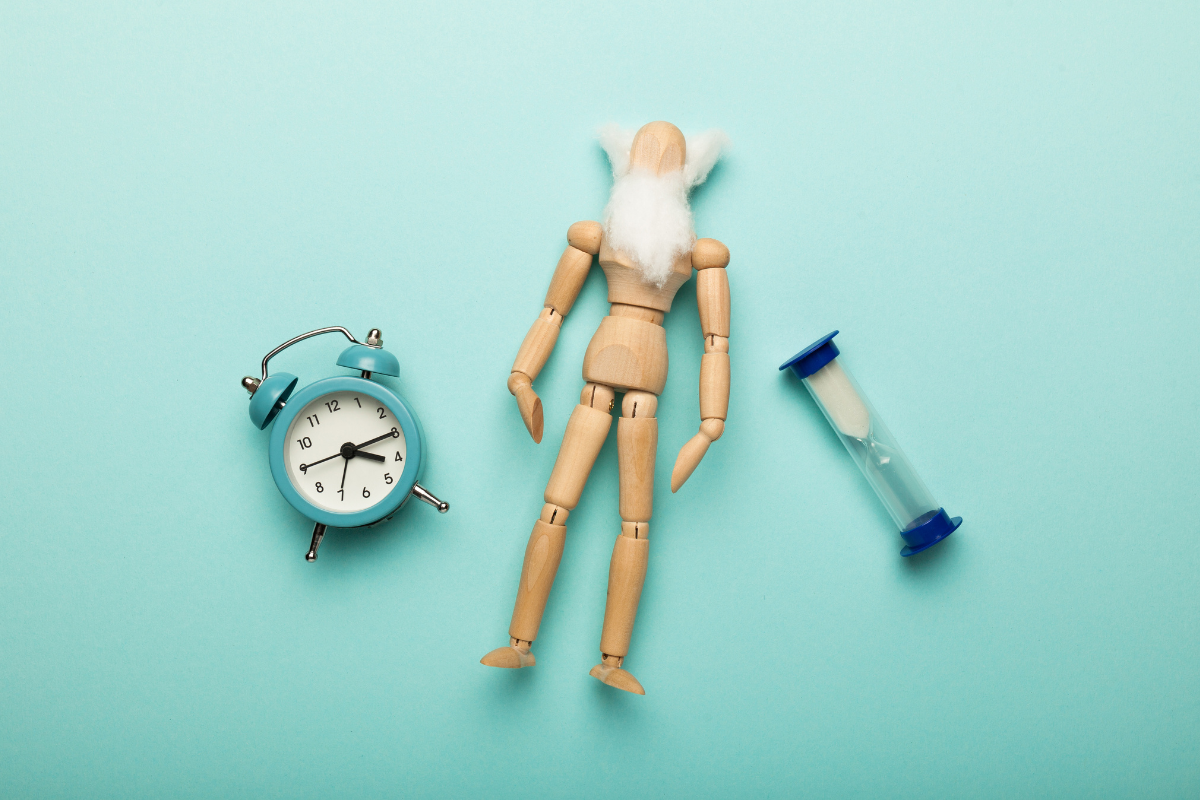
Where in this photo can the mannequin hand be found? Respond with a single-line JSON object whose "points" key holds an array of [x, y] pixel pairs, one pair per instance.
{"points": [[528, 402], [691, 453]]}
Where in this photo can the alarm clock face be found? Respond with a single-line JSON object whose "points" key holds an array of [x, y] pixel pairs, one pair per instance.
{"points": [[345, 451]]}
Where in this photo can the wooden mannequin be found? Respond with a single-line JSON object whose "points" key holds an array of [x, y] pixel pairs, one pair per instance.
{"points": [[627, 354]]}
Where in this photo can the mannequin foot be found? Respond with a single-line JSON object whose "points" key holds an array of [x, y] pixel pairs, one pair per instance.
{"points": [[515, 656], [609, 671]]}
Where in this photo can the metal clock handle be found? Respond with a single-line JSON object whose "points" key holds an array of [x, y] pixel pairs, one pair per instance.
{"points": [[374, 339]]}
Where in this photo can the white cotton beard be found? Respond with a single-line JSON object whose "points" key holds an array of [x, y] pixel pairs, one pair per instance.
{"points": [[648, 219]]}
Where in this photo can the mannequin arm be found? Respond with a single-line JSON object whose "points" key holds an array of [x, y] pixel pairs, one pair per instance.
{"points": [[583, 242], [712, 297]]}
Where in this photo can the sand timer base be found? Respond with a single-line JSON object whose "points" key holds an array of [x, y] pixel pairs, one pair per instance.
{"points": [[929, 533]]}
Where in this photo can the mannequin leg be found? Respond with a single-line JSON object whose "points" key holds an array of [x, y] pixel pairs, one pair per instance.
{"points": [[637, 442], [585, 435]]}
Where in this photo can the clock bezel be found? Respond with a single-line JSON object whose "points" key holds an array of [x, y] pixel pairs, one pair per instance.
{"points": [[414, 444]]}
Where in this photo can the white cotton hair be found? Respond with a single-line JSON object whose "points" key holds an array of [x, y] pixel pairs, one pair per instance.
{"points": [[703, 150], [648, 216], [617, 143]]}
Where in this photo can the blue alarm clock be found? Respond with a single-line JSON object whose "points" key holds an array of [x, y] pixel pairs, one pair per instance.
{"points": [[345, 451]]}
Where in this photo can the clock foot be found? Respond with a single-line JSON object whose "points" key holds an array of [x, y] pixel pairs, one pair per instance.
{"points": [[421, 493], [318, 535]]}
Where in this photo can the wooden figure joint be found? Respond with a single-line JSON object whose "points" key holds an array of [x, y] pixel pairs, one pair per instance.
{"points": [[716, 344], [709, 254], [554, 515]]}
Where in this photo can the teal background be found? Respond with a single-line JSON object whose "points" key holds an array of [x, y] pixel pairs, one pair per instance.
{"points": [[996, 205]]}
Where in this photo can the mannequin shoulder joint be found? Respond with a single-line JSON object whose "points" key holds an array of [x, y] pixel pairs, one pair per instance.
{"points": [[585, 236], [709, 254]]}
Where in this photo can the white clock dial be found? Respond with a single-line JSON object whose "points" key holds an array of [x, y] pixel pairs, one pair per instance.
{"points": [[329, 428]]}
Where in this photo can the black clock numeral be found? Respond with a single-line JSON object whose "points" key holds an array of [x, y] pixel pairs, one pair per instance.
{"points": [[365, 492], [387, 478], [305, 443], [382, 414], [398, 456], [320, 488], [395, 433], [313, 421], [342, 492], [304, 468], [359, 404], [332, 406]]}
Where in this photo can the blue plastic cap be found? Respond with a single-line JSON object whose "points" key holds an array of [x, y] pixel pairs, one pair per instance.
{"points": [[369, 359], [927, 534], [813, 357], [269, 397]]}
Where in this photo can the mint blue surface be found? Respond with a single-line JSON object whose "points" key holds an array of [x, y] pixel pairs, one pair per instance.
{"points": [[409, 427], [998, 204]]}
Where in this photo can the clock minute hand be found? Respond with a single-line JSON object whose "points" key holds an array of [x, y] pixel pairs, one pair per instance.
{"points": [[371, 441]]}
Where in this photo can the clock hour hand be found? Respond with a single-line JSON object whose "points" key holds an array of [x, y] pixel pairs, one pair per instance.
{"points": [[372, 456]]}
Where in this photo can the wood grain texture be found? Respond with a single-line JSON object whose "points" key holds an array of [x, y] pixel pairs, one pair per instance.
{"points": [[627, 353], [716, 344], [709, 254], [568, 280], [713, 428], [626, 285], [608, 673], [538, 343], [555, 515], [688, 459], [585, 236], [598, 396], [639, 404], [659, 147], [635, 530], [511, 657], [692, 452], [528, 403], [636, 312], [586, 431], [626, 573], [712, 300], [542, 556], [714, 386], [637, 444]]}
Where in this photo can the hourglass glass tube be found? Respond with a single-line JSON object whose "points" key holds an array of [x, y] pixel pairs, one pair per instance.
{"points": [[921, 521]]}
